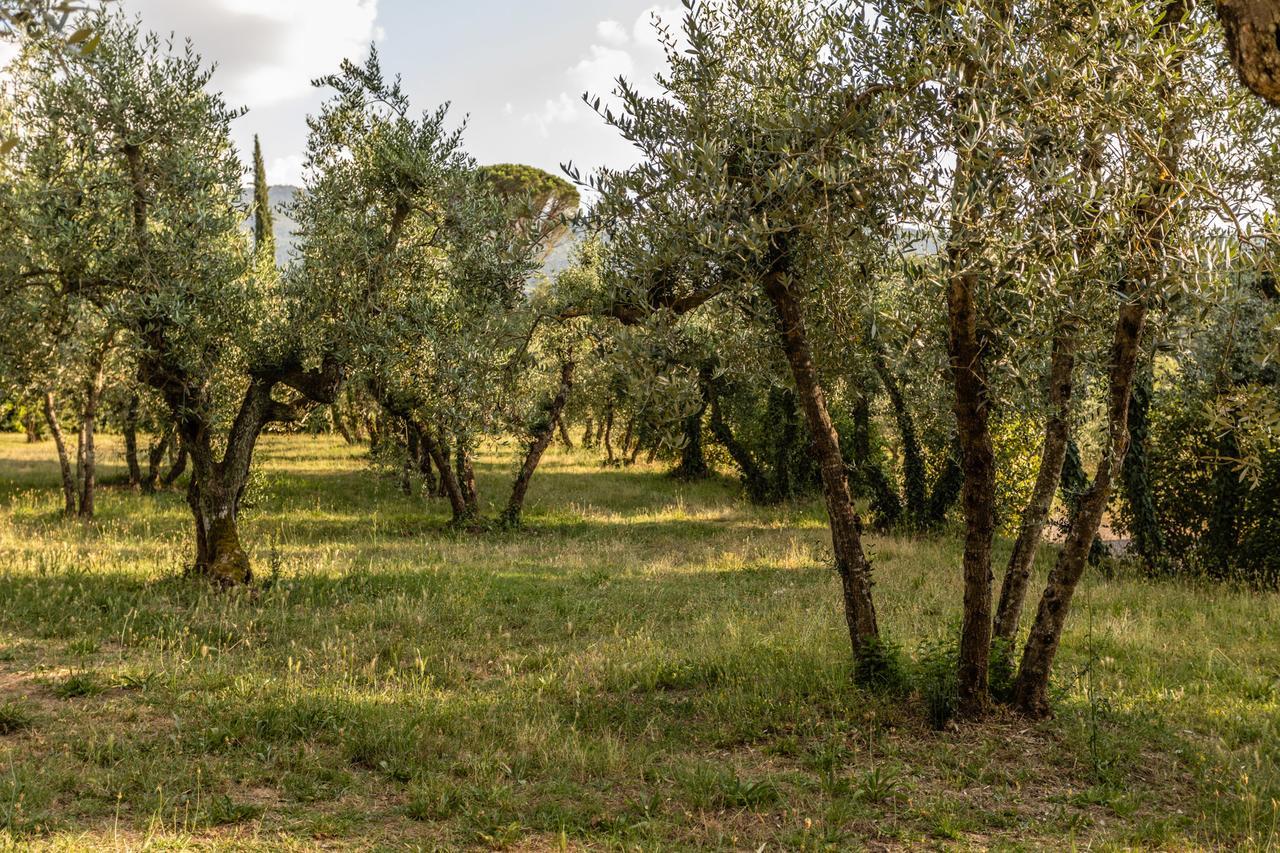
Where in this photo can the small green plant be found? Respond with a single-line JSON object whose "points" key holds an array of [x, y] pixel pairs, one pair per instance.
{"points": [[14, 717], [79, 685], [935, 679], [1002, 669], [880, 666], [222, 810], [877, 785]]}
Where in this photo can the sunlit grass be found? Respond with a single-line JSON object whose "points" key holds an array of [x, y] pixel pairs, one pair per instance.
{"points": [[650, 664]]}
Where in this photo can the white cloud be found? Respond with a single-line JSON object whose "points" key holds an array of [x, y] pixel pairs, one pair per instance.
{"points": [[637, 57], [268, 51], [599, 72], [285, 170], [611, 32], [563, 109]]}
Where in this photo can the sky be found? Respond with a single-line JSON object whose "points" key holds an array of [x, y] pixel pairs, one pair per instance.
{"points": [[515, 69]]}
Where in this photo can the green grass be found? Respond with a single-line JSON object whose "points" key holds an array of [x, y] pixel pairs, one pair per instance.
{"points": [[650, 665]]}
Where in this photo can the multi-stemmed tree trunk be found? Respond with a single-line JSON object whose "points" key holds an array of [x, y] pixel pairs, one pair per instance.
{"points": [[218, 482], [462, 511], [972, 182], [87, 456], [70, 500], [539, 441], [130, 430], [846, 526], [151, 481], [1013, 590], [1032, 685], [693, 462], [1152, 227]]}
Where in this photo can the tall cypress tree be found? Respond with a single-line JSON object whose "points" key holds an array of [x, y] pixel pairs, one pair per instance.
{"points": [[263, 234]]}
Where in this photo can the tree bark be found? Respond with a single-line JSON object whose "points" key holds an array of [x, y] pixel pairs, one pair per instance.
{"points": [[131, 443], [448, 478], [88, 429], [1013, 591], [155, 456], [886, 506], [693, 462], [564, 434], [626, 438], [1253, 41], [588, 434], [1032, 685], [978, 493], [64, 461], [753, 478], [608, 433], [913, 467], [846, 527], [1153, 216], [179, 466], [31, 426], [541, 439], [467, 476]]}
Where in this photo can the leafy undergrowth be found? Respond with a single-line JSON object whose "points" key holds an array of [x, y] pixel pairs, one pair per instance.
{"points": [[650, 665]]}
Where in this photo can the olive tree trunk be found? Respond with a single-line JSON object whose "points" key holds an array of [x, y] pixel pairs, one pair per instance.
{"points": [[846, 527], [64, 461], [540, 440], [130, 429], [155, 458], [1032, 686], [1013, 591], [1253, 40], [1152, 224], [88, 454]]}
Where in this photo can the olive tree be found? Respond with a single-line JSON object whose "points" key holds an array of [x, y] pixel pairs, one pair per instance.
{"points": [[144, 153], [768, 159]]}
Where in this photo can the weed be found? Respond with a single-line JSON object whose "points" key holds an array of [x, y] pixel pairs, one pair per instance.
{"points": [[14, 717]]}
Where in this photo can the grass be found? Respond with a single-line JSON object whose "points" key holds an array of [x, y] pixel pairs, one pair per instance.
{"points": [[650, 665]]}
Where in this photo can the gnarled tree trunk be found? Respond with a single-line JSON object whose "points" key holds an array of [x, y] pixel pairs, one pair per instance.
{"points": [[1253, 40], [1013, 591], [155, 457], [64, 461], [131, 443], [540, 440], [846, 527]]}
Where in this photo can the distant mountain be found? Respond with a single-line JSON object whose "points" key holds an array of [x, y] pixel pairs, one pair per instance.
{"points": [[286, 229], [281, 196]]}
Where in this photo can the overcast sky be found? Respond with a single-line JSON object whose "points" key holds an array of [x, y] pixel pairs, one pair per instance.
{"points": [[517, 68]]}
